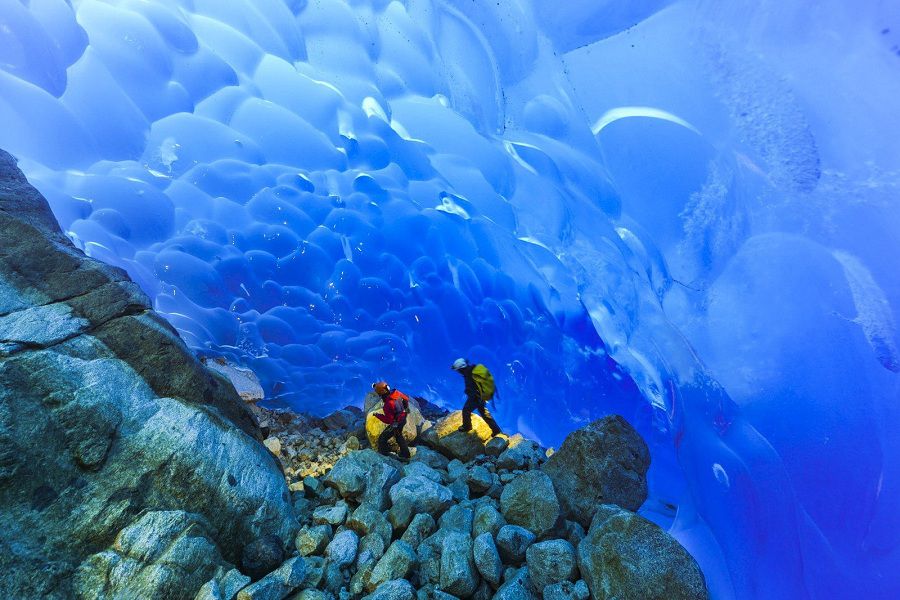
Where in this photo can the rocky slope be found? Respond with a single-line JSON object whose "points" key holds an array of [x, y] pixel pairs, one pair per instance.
{"points": [[472, 516], [127, 469]]}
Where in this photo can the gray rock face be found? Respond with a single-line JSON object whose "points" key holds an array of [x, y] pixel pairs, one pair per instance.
{"points": [[530, 501], [551, 562], [626, 556], [458, 574], [105, 414], [277, 584], [513, 542], [605, 462], [162, 554], [487, 559]]}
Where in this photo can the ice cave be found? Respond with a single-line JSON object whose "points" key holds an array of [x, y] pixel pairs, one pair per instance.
{"points": [[679, 211]]}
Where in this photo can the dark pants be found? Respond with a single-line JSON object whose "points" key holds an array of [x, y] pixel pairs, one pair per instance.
{"points": [[476, 404], [393, 431]]}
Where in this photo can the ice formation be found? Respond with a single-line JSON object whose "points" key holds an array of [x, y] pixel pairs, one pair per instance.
{"points": [[679, 211]]}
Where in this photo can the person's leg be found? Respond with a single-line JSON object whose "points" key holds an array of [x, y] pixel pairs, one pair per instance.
{"points": [[383, 439], [401, 441], [467, 409], [489, 419]]}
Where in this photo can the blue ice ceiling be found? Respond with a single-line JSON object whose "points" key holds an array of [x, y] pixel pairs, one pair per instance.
{"points": [[683, 212]]}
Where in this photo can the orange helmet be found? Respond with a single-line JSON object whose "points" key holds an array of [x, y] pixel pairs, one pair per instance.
{"points": [[381, 388]]}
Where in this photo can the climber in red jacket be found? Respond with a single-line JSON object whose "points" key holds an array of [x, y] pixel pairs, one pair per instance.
{"points": [[395, 411]]}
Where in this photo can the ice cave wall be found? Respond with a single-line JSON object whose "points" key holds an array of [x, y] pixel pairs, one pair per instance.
{"points": [[683, 212]]}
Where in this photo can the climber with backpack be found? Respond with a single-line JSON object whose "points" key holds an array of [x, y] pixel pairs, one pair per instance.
{"points": [[480, 390], [395, 408]]}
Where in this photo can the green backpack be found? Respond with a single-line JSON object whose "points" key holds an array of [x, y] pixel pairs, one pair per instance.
{"points": [[485, 382]]}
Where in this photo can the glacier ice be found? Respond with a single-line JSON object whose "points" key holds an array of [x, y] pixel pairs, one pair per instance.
{"points": [[682, 211]]}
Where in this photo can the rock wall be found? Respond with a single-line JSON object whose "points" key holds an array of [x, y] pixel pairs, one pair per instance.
{"points": [[105, 416]]}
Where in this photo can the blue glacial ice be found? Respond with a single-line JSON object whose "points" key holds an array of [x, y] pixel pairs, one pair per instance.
{"points": [[681, 211]]}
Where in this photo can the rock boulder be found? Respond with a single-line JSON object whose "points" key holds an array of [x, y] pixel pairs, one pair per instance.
{"points": [[626, 556], [605, 462], [105, 414]]}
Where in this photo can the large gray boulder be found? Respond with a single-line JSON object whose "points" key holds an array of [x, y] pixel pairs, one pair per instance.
{"points": [[626, 557], [105, 414], [530, 501], [605, 462]]}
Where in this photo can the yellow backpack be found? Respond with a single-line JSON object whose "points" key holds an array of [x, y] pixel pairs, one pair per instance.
{"points": [[485, 382]]}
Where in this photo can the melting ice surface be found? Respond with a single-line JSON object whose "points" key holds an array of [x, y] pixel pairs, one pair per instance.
{"points": [[683, 212]]}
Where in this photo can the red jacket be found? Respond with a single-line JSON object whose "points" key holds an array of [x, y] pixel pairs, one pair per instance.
{"points": [[395, 405]]}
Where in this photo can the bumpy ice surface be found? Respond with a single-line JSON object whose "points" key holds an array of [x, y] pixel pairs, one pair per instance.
{"points": [[682, 212]]}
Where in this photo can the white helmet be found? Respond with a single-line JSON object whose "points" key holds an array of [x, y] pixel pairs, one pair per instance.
{"points": [[459, 364]]}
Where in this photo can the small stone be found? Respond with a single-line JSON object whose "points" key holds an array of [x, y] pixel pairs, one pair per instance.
{"points": [[456, 469], [518, 587], [331, 515], [401, 513], [421, 527], [399, 589], [420, 468], [458, 572], [297, 486], [364, 519], [479, 480], [311, 486], [496, 445], [424, 494], [459, 489], [551, 562], [530, 501], [342, 549], [273, 444], [277, 584], [396, 563], [458, 518], [232, 582], [261, 556], [487, 520], [433, 459], [512, 542], [487, 559], [312, 540], [566, 590]]}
